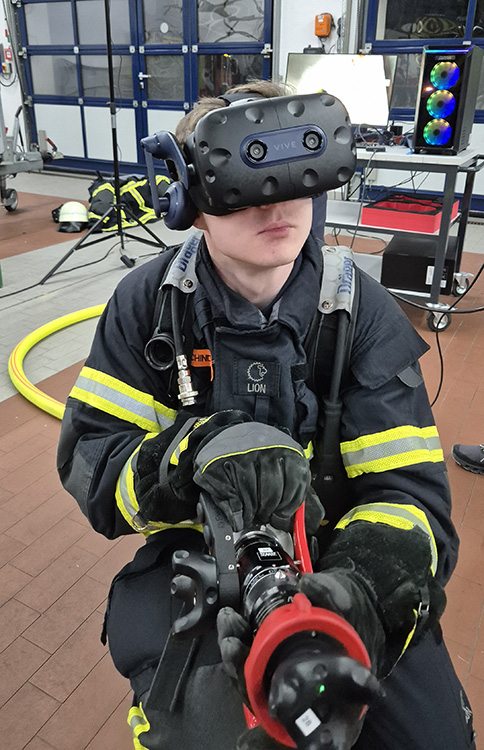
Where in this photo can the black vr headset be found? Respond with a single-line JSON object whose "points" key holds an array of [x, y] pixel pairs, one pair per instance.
{"points": [[254, 152]]}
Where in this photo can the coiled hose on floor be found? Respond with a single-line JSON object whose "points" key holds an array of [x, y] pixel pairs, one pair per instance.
{"points": [[15, 362]]}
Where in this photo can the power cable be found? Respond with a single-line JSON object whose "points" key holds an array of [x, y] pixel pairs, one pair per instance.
{"points": [[450, 311]]}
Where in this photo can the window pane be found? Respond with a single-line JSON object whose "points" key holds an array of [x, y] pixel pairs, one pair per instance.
{"points": [[230, 20], [95, 76], [49, 23], [217, 73], [54, 75], [91, 20], [422, 19], [163, 21], [166, 80], [478, 27]]}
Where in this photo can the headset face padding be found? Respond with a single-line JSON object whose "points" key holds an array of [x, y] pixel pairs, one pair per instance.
{"points": [[263, 151]]}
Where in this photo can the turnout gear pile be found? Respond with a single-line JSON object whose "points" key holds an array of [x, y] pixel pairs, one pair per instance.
{"points": [[135, 199], [395, 501]]}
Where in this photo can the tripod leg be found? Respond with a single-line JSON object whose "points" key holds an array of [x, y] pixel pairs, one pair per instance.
{"points": [[157, 242], [76, 247]]}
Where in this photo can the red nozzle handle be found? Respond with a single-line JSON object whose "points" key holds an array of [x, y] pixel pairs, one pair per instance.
{"points": [[283, 622]]}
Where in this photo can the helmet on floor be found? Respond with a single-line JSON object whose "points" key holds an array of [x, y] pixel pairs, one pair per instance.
{"points": [[72, 217]]}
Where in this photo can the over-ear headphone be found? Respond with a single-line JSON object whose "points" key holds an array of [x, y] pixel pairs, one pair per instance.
{"points": [[179, 211]]}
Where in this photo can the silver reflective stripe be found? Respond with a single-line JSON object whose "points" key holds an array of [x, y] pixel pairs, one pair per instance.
{"points": [[389, 449], [114, 397], [242, 436], [337, 288]]}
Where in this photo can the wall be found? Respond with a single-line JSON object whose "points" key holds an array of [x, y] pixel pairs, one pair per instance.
{"points": [[297, 28], [11, 96]]}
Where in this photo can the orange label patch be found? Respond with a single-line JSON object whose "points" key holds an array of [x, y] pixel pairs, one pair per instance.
{"points": [[201, 358]]}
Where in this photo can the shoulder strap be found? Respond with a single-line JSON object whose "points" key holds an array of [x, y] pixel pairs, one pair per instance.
{"points": [[329, 340], [335, 324], [172, 337]]}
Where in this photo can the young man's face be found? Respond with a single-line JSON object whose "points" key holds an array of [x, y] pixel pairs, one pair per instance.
{"points": [[260, 237]]}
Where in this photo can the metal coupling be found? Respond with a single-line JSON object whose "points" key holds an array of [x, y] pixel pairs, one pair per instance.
{"points": [[186, 394]]}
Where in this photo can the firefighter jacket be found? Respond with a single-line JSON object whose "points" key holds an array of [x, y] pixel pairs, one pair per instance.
{"points": [[241, 358]]}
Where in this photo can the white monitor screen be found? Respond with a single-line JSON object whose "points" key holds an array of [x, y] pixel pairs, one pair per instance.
{"points": [[361, 82]]}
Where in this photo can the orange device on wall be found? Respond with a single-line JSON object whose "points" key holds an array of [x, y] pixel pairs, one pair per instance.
{"points": [[322, 24]]}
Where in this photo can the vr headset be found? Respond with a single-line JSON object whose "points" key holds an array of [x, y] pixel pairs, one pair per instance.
{"points": [[254, 152]]}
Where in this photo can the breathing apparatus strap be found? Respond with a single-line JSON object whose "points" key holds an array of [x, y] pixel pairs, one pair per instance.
{"points": [[334, 336]]}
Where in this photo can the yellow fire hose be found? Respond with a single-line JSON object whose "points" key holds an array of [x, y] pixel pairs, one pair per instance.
{"points": [[15, 362]]}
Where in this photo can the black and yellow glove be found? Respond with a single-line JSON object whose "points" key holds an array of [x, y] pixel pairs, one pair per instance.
{"points": [[255, 473], [378, 578], [164, 470]]}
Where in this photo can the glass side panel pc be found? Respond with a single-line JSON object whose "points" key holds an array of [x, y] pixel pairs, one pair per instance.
{"points": [[91, 20], [95, 76], [163, 21], [217, 73], [49, 23], [422, 19], [230, 21], [447, 98]]}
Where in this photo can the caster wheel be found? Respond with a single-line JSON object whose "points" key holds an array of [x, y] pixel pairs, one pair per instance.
{"points": [[11, 199], [438, 322], [128, 262], [459, 289]]}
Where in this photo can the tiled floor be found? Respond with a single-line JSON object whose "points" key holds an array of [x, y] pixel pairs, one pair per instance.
{"points": [[58, 688]]}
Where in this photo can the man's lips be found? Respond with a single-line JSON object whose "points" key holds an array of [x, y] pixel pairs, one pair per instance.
{"points": [[276, 227]]}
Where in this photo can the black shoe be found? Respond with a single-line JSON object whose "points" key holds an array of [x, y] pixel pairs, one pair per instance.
{"points": [[470, 457]]}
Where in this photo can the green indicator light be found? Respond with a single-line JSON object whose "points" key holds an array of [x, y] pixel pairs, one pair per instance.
{"points": [[322, 688]]}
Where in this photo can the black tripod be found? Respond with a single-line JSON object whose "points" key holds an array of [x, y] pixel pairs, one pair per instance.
{"points": [[116, 208]]}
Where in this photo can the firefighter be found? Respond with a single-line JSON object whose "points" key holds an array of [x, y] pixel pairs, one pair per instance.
{"points": [[135, 459]]}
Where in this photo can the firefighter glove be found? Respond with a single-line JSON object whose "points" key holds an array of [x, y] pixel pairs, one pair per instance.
{"points": [[254, 473], [234, 641], [379, 578], [164, 485]]}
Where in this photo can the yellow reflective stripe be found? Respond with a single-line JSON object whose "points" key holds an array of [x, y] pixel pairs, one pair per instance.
{"points": [[251, 450], [183, 444], [125, 495], [393, 514], [132, 188], [139, 723], [128, 505], [114, 397], [309, 451], [391, 449], [411, 634]]}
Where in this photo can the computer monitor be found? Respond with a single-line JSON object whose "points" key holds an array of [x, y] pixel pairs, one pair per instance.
{"points": [[362, 82]]}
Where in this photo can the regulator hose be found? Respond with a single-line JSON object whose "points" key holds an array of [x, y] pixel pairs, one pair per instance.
{"points": [[15, 362]]}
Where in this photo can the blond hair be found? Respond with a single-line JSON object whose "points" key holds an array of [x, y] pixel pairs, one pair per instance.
{"points": [[206, 104]]}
